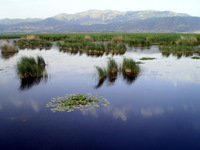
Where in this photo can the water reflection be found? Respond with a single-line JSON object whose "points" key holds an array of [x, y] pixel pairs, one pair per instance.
{"points": [[129, 79], [177, 55], [118, 113], [100, 83], [150, 112], [95, 54], [113, 111], [111, 80], [89, 54], [166, 54], [7, 56], [27, 83]]}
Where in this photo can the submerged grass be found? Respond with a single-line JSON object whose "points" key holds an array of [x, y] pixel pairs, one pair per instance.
{"points": [[31, 67], [77, 101]]}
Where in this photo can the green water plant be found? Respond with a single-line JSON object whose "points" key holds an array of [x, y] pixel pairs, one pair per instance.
{"points": [[31, 67], [147, 58], [77, 101], [195, 57]]}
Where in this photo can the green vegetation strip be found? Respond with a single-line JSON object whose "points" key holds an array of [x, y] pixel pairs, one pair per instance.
{"points": [[77, 101], [92, 48], [175, 43], [195, 57], [147, 58]]}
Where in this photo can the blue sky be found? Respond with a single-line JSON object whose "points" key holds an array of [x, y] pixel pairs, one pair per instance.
{"points": [[49, 8]]}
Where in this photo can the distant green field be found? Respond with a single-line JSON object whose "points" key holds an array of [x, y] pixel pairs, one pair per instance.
{"points": [[153, 37]]}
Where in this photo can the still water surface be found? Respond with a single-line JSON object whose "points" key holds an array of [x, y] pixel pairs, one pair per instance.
{"points": [[159, 110]]}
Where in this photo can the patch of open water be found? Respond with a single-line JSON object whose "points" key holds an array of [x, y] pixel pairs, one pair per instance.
{"points": [[159, 110]]}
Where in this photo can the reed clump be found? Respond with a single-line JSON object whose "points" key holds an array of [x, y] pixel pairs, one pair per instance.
{"points": [[29, 67], [30, 37], [8, 48], [118, 39], [187, 40], [89, 38], [130, 67], [102, 73]]}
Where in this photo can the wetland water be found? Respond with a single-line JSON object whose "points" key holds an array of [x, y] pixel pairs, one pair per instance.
{"points": [[159, 110]]}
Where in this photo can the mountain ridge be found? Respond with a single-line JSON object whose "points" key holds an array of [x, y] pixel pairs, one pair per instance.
{"points": [[107, 21]]}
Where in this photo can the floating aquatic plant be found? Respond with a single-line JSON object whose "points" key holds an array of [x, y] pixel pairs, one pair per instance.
{"points": [[77, 101], [147, 58], [195, 57]]}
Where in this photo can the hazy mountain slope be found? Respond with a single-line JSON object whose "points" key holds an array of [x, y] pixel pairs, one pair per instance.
{"points": [[108, 16], [16, 21], [109, 21]]}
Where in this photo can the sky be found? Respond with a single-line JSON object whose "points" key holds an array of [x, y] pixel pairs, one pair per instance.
{"points": [[49, 8]]}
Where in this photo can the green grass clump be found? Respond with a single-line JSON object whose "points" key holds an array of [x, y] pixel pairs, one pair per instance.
{"points": [[112, 66], [147, 58], [102, 73], [130, 67], [130, 70], [8, 48], [77, 101], [31, 67], [112, 69], [195, 57]]}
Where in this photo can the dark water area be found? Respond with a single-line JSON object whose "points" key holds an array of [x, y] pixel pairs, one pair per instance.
{"points": [[160, 109]]}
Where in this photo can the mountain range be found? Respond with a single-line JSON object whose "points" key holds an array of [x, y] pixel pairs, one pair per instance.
{"points": [[105, 21]]}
